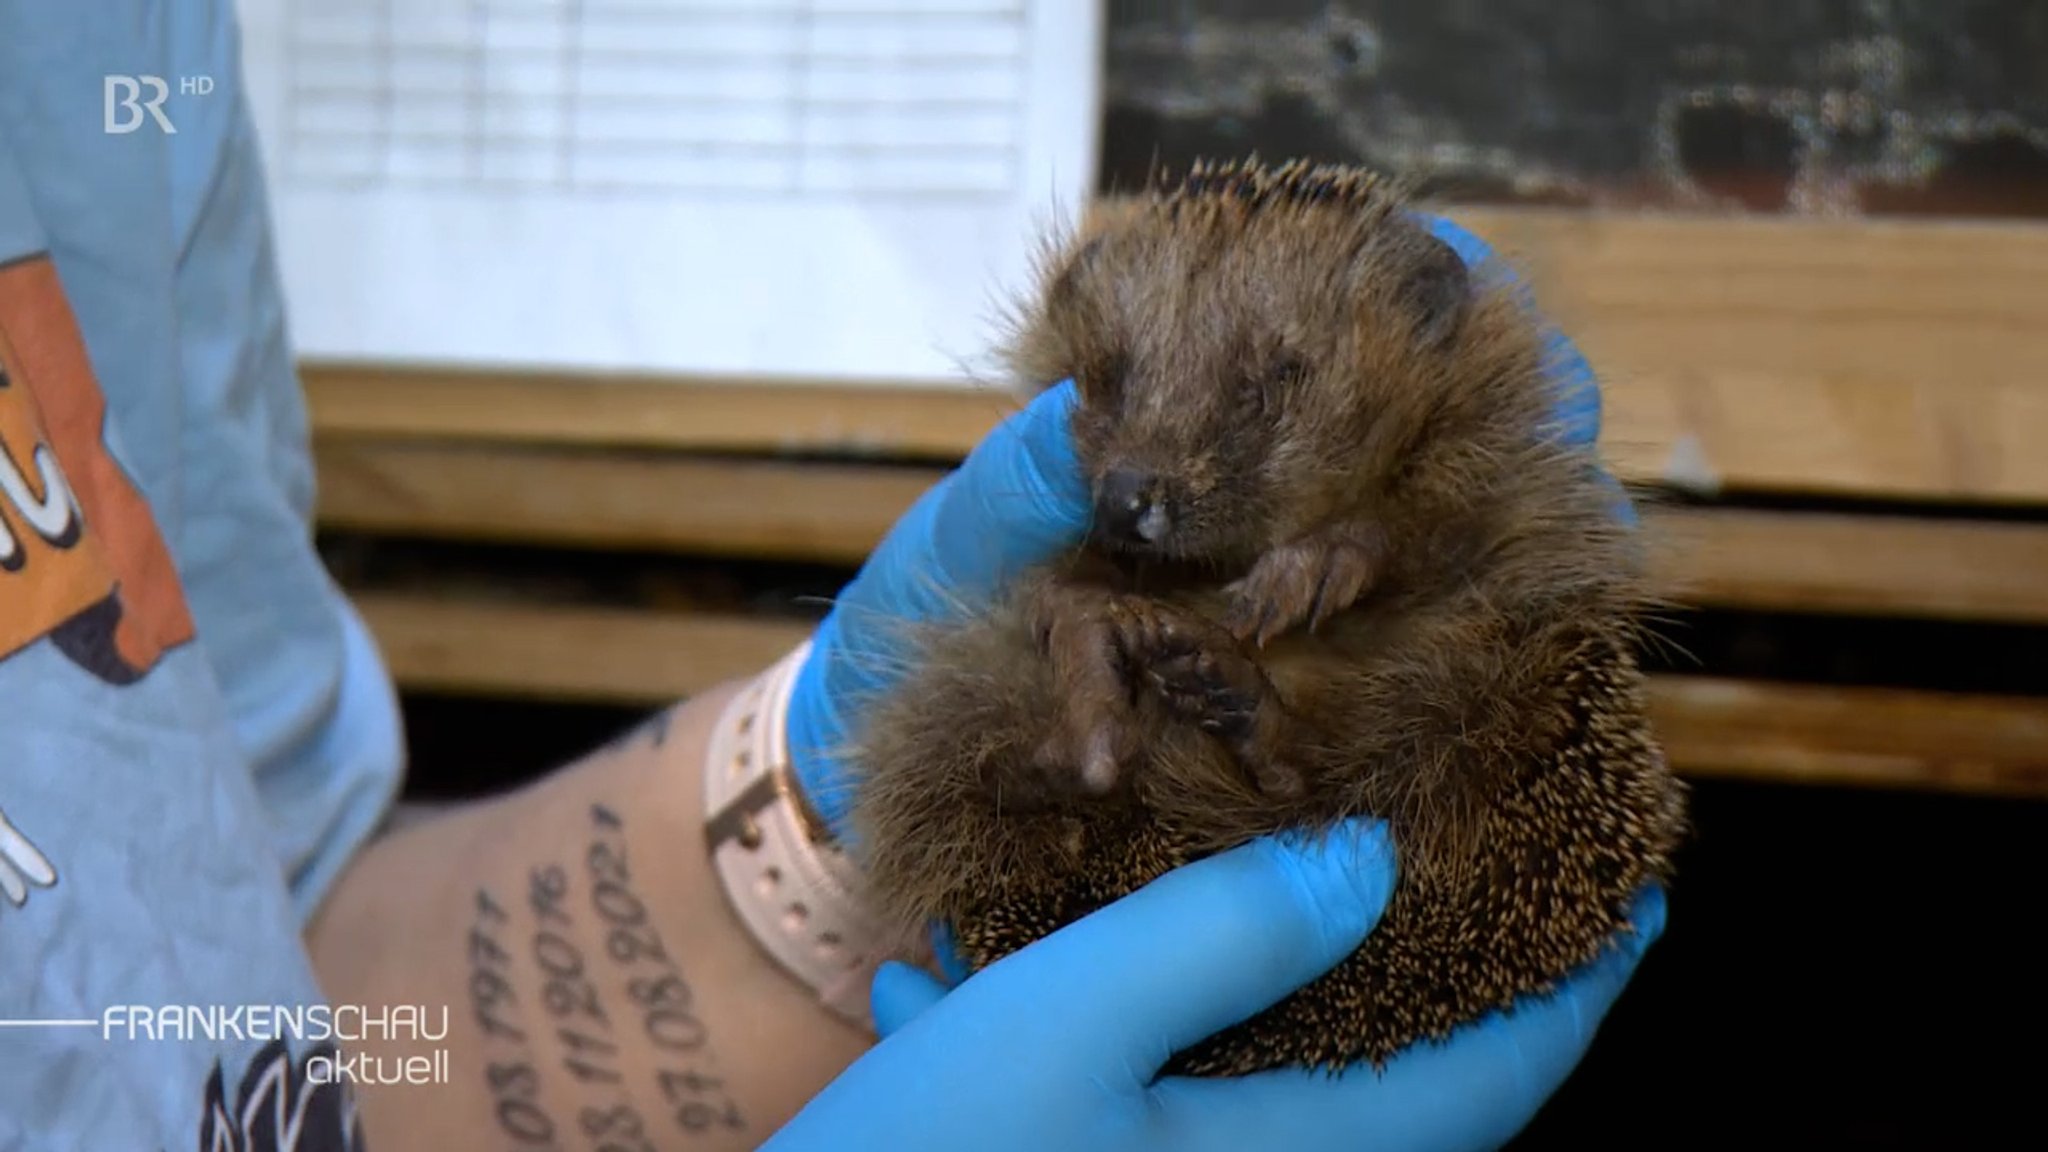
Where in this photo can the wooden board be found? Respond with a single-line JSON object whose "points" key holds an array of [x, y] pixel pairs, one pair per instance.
{"points": [[1900, 566], [1711, 727], [1788, 561], [567, 652], [1866, 358], [619, 411], [740, 508], [1873, 737]]}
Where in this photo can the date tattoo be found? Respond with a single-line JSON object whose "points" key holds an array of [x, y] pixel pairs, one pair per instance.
{"points": [[491, 996], [513, 1083], [656, 986], [567, 991], [546, 1005]]}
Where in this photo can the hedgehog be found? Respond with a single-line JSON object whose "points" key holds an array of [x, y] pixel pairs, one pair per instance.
{"points": [[1342, 562]]}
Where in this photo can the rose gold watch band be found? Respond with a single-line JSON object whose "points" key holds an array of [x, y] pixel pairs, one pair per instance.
{"points": [[795, 890]]}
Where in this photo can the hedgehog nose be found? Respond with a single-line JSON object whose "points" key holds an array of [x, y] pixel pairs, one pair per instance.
{"points": [[1128, 508]]}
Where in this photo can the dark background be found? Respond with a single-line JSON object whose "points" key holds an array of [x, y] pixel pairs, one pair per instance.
{"points": [[1902, 107], [1842, 969]]}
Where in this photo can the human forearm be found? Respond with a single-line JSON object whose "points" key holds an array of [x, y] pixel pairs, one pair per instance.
{"points": [[588, 960]]}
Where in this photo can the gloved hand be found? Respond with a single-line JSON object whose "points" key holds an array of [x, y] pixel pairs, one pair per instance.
{"points": [[1058, 1045], [1016, 501], [1062, 1036]]}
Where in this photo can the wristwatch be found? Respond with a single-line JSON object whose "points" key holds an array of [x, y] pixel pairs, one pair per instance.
{"points": [[782, 871]]}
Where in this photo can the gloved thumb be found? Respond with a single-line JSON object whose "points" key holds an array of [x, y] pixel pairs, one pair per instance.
{"points": [[1201, 948], [899, 994]]}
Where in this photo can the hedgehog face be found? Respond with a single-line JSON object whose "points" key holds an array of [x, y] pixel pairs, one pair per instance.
{"points": [[1239, 352]]}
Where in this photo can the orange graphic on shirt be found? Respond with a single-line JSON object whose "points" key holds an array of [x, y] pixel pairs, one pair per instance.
{"points": [[81, 560]]}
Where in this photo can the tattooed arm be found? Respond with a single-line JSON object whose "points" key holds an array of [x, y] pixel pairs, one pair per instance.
{"points": [[610, 998], [601, 994]]}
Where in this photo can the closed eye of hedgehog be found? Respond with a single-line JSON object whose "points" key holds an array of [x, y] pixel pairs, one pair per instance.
{"points": [[1342, 562]]}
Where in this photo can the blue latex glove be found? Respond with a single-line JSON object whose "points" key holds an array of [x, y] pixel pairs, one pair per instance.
{"points": [[1058, 1045], [1059, 1039], [1016, 501]]}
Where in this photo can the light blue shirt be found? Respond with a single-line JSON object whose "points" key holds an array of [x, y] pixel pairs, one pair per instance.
{"points": [[172, 820]]}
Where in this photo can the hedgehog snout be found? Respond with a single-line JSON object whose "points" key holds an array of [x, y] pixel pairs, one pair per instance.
{"points": [[1131, 507]]}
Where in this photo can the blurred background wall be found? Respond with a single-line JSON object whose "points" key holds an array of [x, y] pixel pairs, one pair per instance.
{"points": [[1918, 107]]}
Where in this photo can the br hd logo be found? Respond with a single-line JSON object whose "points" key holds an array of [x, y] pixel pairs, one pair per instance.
{"points": [[132, 101]]}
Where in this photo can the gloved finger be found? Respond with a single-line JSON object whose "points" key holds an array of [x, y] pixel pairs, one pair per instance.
{"points": [[1017, 499], [951, 966], [899, 994], [1022, 485], [1477, 254], [1199, 949], [1476, 1090], [1579, 402]]}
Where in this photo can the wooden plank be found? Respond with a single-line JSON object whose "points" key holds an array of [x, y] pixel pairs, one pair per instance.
{"points": [[567, 652], [744, 508], [1788, 561], [1876, 737], [1865, 357], [618, 410], [1710, 727], [1854, 564]]}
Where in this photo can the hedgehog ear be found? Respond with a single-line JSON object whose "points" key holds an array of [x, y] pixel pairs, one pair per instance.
{"points": [[1437, 291]]}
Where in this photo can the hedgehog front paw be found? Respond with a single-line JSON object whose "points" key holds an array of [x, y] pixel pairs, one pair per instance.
{"points": [[1078, 632], [1211, 692], [1305, 581], [1224, 693]]}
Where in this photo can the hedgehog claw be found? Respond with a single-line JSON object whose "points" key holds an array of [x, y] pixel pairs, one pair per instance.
{"points": [[1226, 695], [1195, 690], [1304, 582], [1105, 647]]}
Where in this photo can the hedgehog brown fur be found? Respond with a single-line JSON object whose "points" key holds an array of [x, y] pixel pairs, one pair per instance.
{"points": [[1341, 564]]}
